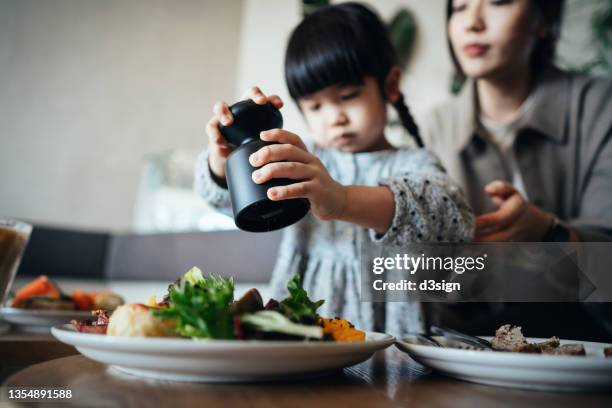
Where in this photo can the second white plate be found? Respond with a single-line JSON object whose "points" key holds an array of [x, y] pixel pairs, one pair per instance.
{"points": [[40, 319], [518, 370]]}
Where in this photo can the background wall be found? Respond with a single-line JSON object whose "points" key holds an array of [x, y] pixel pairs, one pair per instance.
{"points": [[88, 88]]}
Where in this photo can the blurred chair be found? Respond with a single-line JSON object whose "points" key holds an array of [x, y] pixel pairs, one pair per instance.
{"points": [[68, 253]]}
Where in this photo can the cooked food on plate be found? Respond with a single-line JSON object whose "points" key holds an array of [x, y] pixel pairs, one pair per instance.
{"points": [[204, 308], [510, 338], [97, 325], [137, 320], [44, 294]]}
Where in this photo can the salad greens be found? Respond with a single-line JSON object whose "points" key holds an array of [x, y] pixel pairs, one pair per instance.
{"points": [[298, 307], [201, 306], [194, 276], [205, 308]]}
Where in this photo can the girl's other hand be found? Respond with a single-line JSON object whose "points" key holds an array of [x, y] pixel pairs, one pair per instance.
{"points": [[514, 220], [220, 149], [289, 158]]}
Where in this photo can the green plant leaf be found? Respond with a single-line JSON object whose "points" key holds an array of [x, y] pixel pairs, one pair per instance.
{"points": [[402, 30], [310, 6]]}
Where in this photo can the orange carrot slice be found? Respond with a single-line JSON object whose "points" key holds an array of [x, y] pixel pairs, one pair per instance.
{"points": [[40, 286]]}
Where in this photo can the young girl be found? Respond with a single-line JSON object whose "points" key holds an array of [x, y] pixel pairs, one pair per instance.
{"points": [[340, 69]]}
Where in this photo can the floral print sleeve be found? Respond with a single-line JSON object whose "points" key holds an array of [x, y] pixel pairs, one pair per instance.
{"points": [[429, 207]]}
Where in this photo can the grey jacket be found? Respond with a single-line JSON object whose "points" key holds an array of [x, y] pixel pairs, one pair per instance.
{"points": [[564, 152]]}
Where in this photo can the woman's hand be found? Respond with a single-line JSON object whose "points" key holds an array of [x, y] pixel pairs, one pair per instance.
{"points": [[220, 149], [514, 220], [289, 158]]}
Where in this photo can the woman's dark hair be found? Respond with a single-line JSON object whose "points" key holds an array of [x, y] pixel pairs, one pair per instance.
{"points": [[342, 44], [550, 14]]}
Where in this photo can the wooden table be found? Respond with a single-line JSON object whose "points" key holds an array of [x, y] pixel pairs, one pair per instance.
{"points": [[22, 349], [389, 379]]}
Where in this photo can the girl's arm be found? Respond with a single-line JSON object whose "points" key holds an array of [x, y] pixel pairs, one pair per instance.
{"points": [[209, 188], [419, 204], [369, 207], [429, 206]]}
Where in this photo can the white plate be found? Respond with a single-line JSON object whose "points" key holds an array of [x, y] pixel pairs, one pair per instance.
{"points": [[518, 370], [179, 359], [40, 319]]}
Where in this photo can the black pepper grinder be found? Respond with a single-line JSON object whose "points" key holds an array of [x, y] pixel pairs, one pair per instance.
{"points": [[253, 210]]}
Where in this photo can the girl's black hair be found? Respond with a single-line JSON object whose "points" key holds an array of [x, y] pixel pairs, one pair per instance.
{"points": [[342, 44], [550, 14]]}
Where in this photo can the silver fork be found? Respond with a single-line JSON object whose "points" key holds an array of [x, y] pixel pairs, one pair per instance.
{"points": [[472, 341]]}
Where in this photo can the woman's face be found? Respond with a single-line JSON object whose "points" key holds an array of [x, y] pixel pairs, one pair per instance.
{"points": [[492, 38], [350, 118]]}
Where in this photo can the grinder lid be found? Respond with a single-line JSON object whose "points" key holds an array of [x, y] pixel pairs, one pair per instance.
{"points": [[250, 119]]}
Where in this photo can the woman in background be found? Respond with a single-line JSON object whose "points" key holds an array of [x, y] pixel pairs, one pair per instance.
{"points": [[530, 144]]}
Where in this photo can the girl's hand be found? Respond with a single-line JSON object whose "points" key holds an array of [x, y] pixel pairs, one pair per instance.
{"points": [[220, 149], [290, 158], [514, 220]]}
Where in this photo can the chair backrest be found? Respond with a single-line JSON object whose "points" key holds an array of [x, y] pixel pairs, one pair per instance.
{"points": [[60, 252], [248, 257], [79, 254]]}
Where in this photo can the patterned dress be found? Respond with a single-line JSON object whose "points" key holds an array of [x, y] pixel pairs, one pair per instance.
{"points": [[429, 207]]}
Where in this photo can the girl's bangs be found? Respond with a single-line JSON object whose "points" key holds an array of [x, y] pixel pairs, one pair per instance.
{"points": [[321, 64]]}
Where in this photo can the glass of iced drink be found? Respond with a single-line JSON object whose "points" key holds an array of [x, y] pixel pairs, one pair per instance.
{"points": [[14, 237]]}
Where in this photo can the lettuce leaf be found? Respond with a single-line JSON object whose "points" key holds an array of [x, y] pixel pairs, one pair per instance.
{"points": [[201, 306], [297, 306]]}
